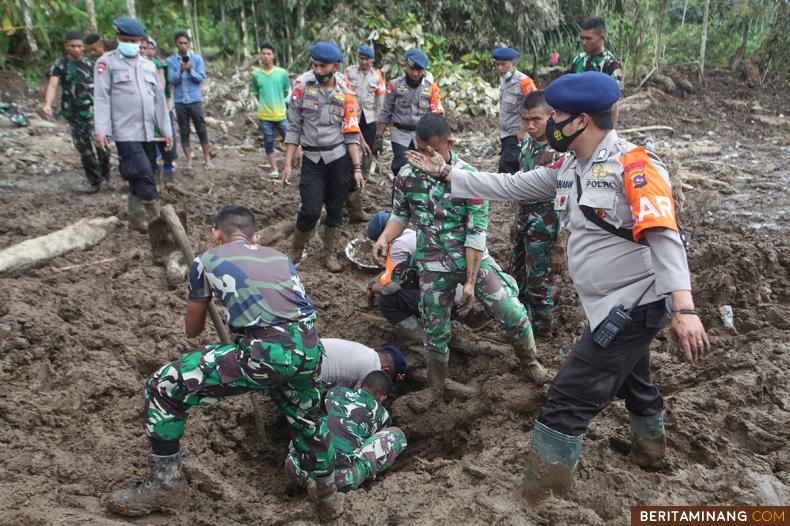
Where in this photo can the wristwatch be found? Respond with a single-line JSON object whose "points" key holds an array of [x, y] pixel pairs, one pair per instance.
{"points": [[444, 173]]}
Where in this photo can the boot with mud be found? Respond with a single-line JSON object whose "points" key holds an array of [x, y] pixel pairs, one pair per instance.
{"points": [[169, 178], [159, 175], [329, 505], [526, 352], [367, 161], [153, 211], [409, 333], [551, 462], [354, 208], [165, 489], [648, 441], [297, 247], [437, 374], [136, 213], [331, 261]]}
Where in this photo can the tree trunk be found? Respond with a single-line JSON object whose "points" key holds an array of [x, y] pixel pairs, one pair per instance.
{"points": [[188, 14], [196, 25], [683, 19], [91, 9], [224, 25], [255, 24], [703, 43], [130, 8], [28, 19], [741, 53], [662, 13], [245, 39]]}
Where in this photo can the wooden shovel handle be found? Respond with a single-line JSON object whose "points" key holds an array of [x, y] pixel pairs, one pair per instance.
{"points": [[169, 215]]}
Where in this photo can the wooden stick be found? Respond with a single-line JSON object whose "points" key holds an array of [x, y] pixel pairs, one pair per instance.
{"points": [[171, 218], [78, 265], [670, 129]]}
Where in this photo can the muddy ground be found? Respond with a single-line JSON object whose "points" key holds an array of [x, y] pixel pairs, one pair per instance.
{"points": [[87, 328]]}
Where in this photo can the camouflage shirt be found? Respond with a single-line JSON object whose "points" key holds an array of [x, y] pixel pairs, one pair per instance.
{"points": [[534, 154], [445, 225], [258, 286], [76, 83], [604, 62], [353, 416]]}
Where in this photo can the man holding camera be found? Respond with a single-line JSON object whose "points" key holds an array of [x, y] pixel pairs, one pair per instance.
{"points": [[186, 71], [625, 249]]}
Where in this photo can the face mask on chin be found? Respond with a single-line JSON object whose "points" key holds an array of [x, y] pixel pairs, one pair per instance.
{"points": [[558, 140], [128, 49], [506, 76], [323, 79]]}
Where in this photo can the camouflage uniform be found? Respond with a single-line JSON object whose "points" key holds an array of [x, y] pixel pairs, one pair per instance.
{"points": [[277, 350], [445, 227], [604, 62], [76, 102], [537, 224], [364, 445]]}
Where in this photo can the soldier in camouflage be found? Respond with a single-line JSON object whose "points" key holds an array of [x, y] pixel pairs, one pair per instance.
{"points": [[536, 224], [451, 249], [275, 349], [595, 56], [74, 73], [358, 425]]}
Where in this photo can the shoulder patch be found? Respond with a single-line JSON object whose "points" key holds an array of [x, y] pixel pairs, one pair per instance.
{"points": [[557, 163], [390, 88], [101, 66]]}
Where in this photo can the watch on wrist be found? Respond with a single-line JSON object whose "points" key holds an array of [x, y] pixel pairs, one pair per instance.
{"points": [[445, 171], [690, 312]]}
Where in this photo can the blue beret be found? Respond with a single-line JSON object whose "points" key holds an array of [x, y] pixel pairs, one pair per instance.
{"points": [[586, 92], [401, 367], [366, 51], [419, 58], [377, 223], [128, 26], [327, 52], [505, 53]]}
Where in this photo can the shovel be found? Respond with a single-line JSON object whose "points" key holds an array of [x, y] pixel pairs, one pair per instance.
{"points": [[161, 236]]}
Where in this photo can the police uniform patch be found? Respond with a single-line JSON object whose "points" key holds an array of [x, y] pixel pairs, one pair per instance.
{"points": [[297, 94], [638, 179], [100, 67], [149, 67], [599, 170], [561, 202]]}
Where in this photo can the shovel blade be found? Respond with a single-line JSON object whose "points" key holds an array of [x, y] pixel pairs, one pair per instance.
{"points": [[161, 238]]}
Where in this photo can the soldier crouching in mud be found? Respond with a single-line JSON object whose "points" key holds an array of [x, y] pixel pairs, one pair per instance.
{"points": [[625, 248], [275, 349]]}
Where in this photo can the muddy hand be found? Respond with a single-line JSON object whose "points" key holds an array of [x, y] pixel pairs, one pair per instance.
{"points": [[467, 300], [430, 163], [286, 174], [168, 144], [380, 252], [692, 335]]}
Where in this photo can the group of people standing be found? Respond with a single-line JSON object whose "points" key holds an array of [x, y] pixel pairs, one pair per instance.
{"points": [[561, 162]]}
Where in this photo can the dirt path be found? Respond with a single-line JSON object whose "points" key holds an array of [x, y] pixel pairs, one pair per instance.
{"points": [[85, 337]]}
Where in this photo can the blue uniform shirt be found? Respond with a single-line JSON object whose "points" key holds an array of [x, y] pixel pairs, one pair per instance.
{"points": [[186, 84]]}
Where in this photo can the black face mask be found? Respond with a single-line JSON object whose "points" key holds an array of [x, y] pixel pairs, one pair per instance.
{"points": [[557, 140], [412, 83], [323, 79]]}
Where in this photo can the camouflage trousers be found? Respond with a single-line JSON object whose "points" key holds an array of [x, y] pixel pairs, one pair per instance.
{"points": [[285, 360], [95, 162], [536, 232], [495, 289], [375, 455]]}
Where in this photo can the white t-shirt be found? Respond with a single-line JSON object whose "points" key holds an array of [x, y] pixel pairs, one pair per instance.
{"points": [[347, 362]]}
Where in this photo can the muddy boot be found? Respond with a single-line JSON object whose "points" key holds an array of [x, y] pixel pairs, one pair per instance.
{"points": [[528, 362], [158, 176], [354, 208], [328, 503], [331, 261], [165, 489], [409, 332], [169, 178], [136, 213], [437, 374], [648, 442], [152, 211], [297, 247], [550, 463]]}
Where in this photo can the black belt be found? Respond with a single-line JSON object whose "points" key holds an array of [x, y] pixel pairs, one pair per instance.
{"points": [[322, 148], [404, 127]]}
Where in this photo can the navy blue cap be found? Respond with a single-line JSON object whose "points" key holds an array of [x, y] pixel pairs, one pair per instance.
{"points": [[419, 58], [505, 53], [401, 367], [128, 27], [366, 51], [377, 223], [327, 52], [586, 92]]}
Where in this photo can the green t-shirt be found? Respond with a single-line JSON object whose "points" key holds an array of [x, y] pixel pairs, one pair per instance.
{"points": [[271, 88], [161, 65]]}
